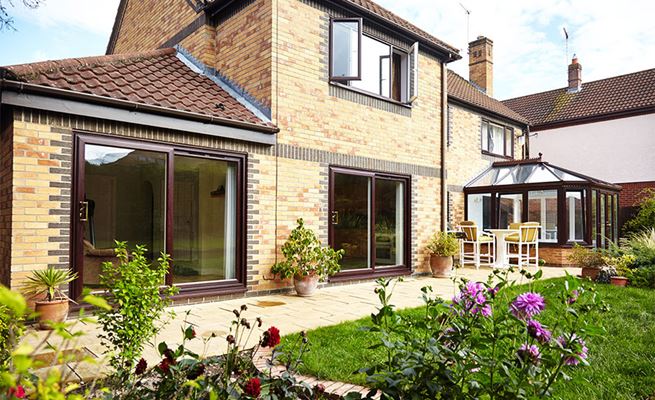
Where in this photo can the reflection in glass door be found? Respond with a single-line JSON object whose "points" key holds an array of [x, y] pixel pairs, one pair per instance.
{"points": [[351, 220], [124, 199], [389, 215]]}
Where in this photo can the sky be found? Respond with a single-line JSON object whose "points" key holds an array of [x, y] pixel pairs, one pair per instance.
{"points": [[609, 37]]}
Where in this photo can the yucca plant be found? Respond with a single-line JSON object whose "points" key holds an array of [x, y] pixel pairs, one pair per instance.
{"points": [[47, 282]]}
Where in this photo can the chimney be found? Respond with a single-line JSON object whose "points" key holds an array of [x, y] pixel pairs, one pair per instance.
{"points": [[481, 64], [575, 75]]}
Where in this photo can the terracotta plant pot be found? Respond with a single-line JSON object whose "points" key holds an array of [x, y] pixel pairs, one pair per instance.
{"points": [[441, 266], [619, 281], [590, 272], [306, 285], [31, 301], [51, 311]]}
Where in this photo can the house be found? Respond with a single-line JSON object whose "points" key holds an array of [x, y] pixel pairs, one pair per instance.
{"points": [[209, 128], [603, 128]]}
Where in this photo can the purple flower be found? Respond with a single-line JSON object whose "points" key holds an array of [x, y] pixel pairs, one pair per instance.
{"points": [[537, 331], [472, 298], [529, 353], [576, 345], [527, 305], [493, 291], [573, 297]]}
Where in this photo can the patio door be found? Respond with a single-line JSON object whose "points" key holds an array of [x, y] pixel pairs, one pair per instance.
{"points": [[369, 221]]}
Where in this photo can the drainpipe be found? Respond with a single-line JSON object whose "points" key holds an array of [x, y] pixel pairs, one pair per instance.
{"points": [[444, 145], [527, 142]]}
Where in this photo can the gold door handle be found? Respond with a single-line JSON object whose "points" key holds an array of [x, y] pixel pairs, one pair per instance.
{"points": [[335, 218], [84, 211]]}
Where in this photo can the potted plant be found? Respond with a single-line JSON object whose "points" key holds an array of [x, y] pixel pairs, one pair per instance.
{"points": [[622, 266], [590, 260], [45, 284], [306, 261], [442, 247]]}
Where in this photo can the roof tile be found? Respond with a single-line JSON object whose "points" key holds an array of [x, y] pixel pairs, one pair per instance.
{"points": [[130, 77]]}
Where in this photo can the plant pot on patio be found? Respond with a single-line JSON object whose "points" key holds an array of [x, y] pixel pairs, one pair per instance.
{"points": [[52, 303], [306, 261], [51, 312], [590, 272], [442, 247], [306, 285], [619, 281], [441, 266]]}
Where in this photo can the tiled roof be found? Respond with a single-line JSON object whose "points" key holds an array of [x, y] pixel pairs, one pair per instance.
{"points": [[403, 23], [154, 78], [609, 96], [463, 90]]}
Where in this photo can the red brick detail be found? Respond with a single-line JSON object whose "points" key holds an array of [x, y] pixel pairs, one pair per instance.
{"points": [[632, 193]]}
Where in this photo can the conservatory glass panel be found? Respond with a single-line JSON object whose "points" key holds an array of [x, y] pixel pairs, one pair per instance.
{"points": [[479, 209], [594, 217], [542, 207], [509, 209], [575, 215]]}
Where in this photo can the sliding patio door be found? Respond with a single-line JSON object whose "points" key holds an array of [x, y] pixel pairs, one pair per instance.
{"points": [[171, 200], [369, 220]]}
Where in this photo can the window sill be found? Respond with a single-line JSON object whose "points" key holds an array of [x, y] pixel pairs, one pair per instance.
{"points": [[488, 153], [372, 95]]}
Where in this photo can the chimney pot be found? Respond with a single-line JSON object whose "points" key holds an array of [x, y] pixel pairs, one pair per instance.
{"points": [[575, 76]]}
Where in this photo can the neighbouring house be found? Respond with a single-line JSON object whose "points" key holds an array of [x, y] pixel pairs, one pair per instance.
{"points": [[604, 129], [209, 128]]}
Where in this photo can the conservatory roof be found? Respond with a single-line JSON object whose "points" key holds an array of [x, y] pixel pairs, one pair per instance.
{"points": [[531, 172]]}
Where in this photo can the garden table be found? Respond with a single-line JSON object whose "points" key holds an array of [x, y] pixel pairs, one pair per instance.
{"points": [[500, 257]]}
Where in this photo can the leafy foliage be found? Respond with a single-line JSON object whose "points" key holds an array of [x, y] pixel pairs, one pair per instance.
{"points": [[443, 244], [586, 257], [477, 348], [136, 304], [645, 217], [642, 246], [48, 282], [305, 256], [643, 277]]}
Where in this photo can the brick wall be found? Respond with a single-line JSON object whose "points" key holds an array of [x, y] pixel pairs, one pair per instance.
{"points": [[632, 193], [148, 24]]}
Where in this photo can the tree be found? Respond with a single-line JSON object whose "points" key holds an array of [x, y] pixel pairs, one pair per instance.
{"points": [[6, 20]]}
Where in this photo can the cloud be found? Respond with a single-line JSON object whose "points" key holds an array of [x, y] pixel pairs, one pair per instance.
{"points": [[94, 16], [529, 49]]}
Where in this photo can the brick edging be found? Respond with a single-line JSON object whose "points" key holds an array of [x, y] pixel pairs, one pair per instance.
{"points": [[332, 388]]}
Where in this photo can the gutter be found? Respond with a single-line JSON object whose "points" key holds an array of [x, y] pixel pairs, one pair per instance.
{"points": [[22, 87], [444, 146]]}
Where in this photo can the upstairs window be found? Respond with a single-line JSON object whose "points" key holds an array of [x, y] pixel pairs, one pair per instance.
{"points": [[370, 65], [497, 139]]}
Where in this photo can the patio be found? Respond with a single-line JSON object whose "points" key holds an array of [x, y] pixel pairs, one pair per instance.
{"points": [[287, 312]]}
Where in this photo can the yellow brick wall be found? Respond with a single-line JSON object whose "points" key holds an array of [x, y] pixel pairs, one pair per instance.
{"points": [[201, 44], [147, 24], [243, 49], [41, 185]]}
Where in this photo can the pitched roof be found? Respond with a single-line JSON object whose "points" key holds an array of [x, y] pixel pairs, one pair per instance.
{"points": [[464, 91], [604, 97], [154, 78], [385, 14]]}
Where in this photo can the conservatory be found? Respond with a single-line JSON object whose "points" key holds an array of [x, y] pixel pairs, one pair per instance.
{"points": [[570, 207]]}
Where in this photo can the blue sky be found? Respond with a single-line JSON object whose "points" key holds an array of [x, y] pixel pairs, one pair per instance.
{"points": [[529, 48]]}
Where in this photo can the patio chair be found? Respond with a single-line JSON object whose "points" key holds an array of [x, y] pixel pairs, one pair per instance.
{"points": [[476, 239], [523, 243]]}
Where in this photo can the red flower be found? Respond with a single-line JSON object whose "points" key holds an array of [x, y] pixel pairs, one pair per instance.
{"points": [[271, 337], [253, 387], [165, 365], [141, 367], [17, 392]]}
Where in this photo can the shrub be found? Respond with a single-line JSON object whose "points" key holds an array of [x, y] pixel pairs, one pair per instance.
{"points": [[477, 346], [443, 244], [642, 246], [645, 217], [586, 257], [643, 277], [136, 304], [48, 282], [305, 256]]}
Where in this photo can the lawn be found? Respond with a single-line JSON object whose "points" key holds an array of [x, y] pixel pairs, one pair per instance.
{"points": [[622, 360]]}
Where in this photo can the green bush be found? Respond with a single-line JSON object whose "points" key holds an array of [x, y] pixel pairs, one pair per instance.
{"points": [[645, 218], [443, 244], [642, 246], [305, 256], [136, 304], [643, 277], [586, 257]]}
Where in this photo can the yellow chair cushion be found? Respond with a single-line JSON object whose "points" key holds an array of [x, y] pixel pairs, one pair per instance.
{"points": [[514, 237], [486, 239]]}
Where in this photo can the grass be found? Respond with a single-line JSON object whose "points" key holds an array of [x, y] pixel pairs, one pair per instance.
{"points": [[622, 361]]}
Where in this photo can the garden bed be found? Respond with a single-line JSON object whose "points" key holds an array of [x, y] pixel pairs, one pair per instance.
{"points": [[622, 361]]}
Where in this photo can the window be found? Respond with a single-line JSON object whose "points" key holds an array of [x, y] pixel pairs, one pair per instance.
{"points": [[370, 65], [479, 209], [369, 216], [542, 207], [497, 139], [171, 200], [510, 207], [575, 215]]}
